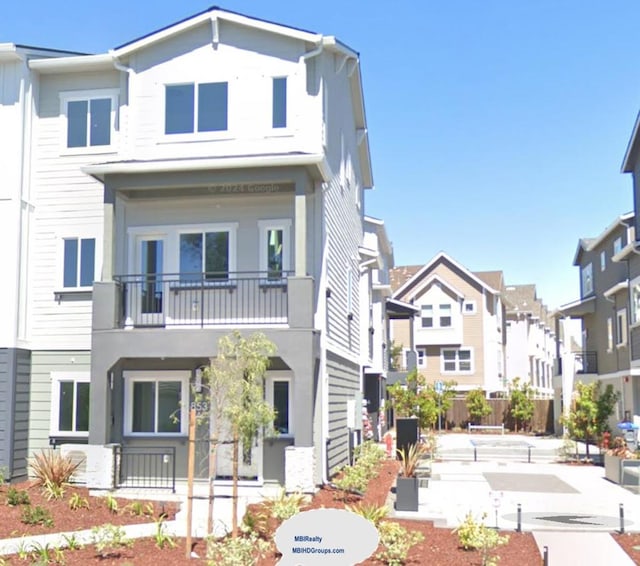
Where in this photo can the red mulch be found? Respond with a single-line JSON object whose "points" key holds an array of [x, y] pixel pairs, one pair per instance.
{"points": [[630, 543], [65, 519]]}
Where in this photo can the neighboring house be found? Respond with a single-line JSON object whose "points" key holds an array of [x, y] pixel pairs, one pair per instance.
{"points": [[531, 339], [603, 309], [459, 332], [18, 97], [206, 177]]}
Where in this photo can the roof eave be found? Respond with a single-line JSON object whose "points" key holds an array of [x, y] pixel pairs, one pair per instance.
{"points": [[630, 154], [74, 64]]}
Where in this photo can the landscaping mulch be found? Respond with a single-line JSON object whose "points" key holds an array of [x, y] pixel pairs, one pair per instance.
{"points": [[65, 519], [630, 543]]}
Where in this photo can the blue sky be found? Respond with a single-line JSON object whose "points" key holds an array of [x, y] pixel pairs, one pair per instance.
{"points": [[497, 128]]}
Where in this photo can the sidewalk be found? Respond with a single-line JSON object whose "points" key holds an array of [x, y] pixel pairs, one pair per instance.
{"points": [[588, 549]]}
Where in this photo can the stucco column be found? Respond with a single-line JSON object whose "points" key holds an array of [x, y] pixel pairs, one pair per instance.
{"points": [[109, 233], [100, 394], [300, 212]]}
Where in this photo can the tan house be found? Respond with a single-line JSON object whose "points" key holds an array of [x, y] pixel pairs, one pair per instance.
{"points": [[459, 333]]}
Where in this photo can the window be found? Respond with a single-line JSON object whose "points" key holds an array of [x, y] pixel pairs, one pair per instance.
{"points": [[456, 360], [609, 334], [587, 279], [621, 327], [156, 403], [90, 118], [422, 357], [279, 395], [603, 260], [426, 316], [193, 108], [445, 316], [469, 307], [204, 253], [78, 262], [617, 245], [70, 404], [279, 112], [635, 304], [275, 248]]}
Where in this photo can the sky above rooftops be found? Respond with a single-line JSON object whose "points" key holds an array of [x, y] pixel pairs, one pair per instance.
{"points": [[497, 128]]}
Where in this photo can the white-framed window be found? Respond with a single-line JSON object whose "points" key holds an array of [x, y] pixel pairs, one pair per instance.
{"points": [[422, 357], [587, 279], [609, 334], [279, 394], [156, 403], [78, 265], [70, 404], [603, 260], [444, 312], [617, 245], [426, 316], [621, 327], [469, 307], [191, 108], [456, 360], [207, 251], [275, 247], [635, 304], [90, 120], [279, 102]]}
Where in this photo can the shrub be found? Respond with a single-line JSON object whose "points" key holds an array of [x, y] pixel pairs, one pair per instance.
{"points": [[396, 542], [410, 459], [76, 502], [352, 479], [36, 516], [369, 456], [109, 540], [240, 551], [52, 467], [112, 503], [17, 497], [161, 537], [284, 506], [474, 535], [373, 513], [52, 491]]}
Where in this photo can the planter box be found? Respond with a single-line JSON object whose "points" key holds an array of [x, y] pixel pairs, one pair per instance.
{"points": [[406, 494], [621, 471]]}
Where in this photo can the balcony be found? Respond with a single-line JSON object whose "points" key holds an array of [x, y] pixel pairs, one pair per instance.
{"points": [[587, 362], [203, 299]]}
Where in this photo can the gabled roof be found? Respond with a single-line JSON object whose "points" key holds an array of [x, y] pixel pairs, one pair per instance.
{"points": [[588, 244], [521, 298], [631, 154], [424, 270], [494, 279]]}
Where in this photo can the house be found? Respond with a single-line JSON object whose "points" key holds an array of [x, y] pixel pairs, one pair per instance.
{"points": [[18, 92], [206, 177], [531, 339], [603, 310], [459, 333]]}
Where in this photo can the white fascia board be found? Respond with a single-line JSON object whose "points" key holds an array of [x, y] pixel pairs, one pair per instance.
{"points": [[314, 160], [102, 62], [624, 253], [619, 221], [9, 53], [207, 17], [443, 283], [432, 262], [621, 286]]}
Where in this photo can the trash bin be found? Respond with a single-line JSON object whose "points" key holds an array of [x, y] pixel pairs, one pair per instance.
{"points": [[630, 433]]}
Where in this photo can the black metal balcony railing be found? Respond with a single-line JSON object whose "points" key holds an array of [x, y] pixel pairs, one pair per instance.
{"points": [[203, 299], [587, 362]]}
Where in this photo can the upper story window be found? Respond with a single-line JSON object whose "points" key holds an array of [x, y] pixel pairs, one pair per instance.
{"points": [[456, 360], [442, 319], [426, 320], [603, 260], [275, 250], [621, 327], [445, 315], [279, 102], [617, 245], [635, 304], [469, 307], [191, 108], [79, 262], [204, 253], [587, 279], [90, 118], [422, 357]]}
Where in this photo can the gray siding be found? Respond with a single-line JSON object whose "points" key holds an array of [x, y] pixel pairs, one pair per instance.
{"points": [[344, 382], [43, 363], [14, 411]]}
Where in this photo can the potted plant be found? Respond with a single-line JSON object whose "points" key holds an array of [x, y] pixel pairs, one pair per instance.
{"points": [[621, 465], [407, 482]]}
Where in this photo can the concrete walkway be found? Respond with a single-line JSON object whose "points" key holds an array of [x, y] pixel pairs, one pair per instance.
{"points": [[586, 549]]}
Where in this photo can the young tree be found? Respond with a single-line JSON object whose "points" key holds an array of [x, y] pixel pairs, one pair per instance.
{"points": [[234, 389], [477, 405], [444, 400], [415, 398], [590, 411], [521, 405]]}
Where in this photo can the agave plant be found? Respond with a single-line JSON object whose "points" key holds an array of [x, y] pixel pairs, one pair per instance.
{"points": [[410, 458]]}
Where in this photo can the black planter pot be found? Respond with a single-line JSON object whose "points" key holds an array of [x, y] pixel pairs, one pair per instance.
{"points": [[407, 494]]}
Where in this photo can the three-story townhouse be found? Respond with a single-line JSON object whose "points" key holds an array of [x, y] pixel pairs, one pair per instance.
{"points": [[206, 177]]}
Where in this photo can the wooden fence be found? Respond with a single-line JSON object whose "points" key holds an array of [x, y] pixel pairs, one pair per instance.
{"points": [[542, 421]]}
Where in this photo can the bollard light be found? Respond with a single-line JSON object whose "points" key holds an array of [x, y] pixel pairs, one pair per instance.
{"points": [[545, 556], [519, 527], [621, 518]]}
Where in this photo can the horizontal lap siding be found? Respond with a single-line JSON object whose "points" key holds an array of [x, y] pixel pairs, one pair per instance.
{"points": [[21, 414], [6, 376], [344, 382]]}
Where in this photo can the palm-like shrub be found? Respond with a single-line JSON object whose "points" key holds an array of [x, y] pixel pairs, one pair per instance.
{"points": [[409, 459], [52, 468]]}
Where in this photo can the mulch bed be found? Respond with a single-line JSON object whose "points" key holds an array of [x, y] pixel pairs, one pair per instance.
{"points": [[630, 543], [65, 519]]}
